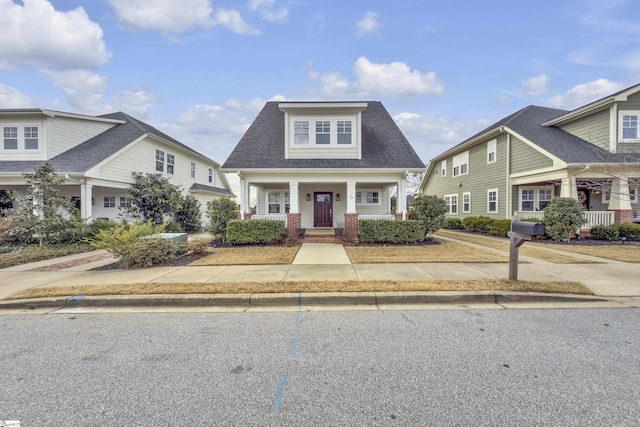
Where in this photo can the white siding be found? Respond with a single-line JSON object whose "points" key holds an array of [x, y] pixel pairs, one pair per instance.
{"points": [[21, 154], [351, 152], [65, 133], [332, 151]]}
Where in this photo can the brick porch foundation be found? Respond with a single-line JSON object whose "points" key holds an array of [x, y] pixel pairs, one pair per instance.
{"points": [[293, 226], [622, 216], [351, 228]]}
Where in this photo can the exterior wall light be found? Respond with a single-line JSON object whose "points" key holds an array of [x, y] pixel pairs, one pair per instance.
{"points": [[308, 197], [338, 197]]}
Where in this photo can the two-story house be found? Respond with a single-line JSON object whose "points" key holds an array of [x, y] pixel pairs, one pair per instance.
{"points": [[96, 156], [517, 165], [323, 164]]}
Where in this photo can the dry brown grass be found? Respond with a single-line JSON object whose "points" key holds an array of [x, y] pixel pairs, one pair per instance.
{"points": [[306, 287], [249, 255], [526, 250], [624, 253], [444, 252]]}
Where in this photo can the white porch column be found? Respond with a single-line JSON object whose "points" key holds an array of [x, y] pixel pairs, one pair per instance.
{"points": [[244, 197], [294, 203], [86, 201], [401, 197], [351, 197], [569, 188], [619, 197]]}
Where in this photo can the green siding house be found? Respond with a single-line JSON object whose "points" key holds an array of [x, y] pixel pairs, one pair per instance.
{"points": [[518, 164]]}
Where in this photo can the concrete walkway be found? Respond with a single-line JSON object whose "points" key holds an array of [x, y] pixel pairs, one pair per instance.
{"points": [[320, 261]]}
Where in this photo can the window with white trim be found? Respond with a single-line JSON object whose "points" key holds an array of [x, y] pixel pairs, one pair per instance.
{"points": [[367, 197], [492, 149], [544, 198], [492, 200], [629, 126], [466, 202], [20, 138], [278, 202], [211, 175], [323, 132], [606, 196], [461, 164], [159, 160], [451, 200], [633, 194], [171, 162], [125, 202], [443, 168], [344, 132], [527, 199], [301, 133], [193, 169], [109, 202]]}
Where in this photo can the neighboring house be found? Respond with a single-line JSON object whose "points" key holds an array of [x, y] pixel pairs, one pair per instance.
{"points": [[517, 165], [323, 164], [96, 156]]}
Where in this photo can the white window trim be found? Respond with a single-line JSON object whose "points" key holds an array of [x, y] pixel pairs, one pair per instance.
{"points": [[466, 193], [492, 147], [363, 196], [192, 172], [155, 160], [633, 198], [492, 190], [333, 125], [536, 197], [282, 201], [104, 202], [443, 167], [606, 195], [628, 113], [20, 137], [461, 159], [450, 205], [210, 178]]}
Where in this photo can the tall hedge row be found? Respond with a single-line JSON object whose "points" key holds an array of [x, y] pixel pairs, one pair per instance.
{"points": [[381, 231], [254, 232]]}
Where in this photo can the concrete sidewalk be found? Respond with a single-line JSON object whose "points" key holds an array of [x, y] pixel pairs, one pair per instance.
{"points": [[606, 279]]}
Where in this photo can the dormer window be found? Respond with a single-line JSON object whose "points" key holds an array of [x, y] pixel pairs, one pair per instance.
{"points": [[20, 138], [629, 124], [301, 132], [323, 132], [344, 131], [326, 132]]}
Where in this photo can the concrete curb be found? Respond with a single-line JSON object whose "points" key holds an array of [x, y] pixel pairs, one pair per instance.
{"points": [[294, 299]]}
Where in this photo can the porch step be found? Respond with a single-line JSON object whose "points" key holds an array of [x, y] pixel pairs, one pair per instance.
{"points": [[320, 235]]}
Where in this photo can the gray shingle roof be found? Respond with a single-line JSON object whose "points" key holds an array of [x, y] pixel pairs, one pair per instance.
{"points": [[211, 189], [567, 147], [84, 156], [383, 145]]}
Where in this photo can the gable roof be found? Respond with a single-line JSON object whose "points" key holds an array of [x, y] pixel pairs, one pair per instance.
{"points": [[383, 144], [93, 151], [529, 123]]}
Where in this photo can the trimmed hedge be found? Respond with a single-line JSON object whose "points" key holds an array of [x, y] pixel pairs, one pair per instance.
{"points": [[148, 252], [605, 232], [629, 230], [254, 231], [381, 231], [479, 224], [452, 223], [500, 227]]}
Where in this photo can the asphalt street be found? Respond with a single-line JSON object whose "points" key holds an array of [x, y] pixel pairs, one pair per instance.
{"points": [[425, 367]]}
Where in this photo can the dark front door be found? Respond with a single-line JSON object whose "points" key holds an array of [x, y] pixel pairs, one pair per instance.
{"points": [[323, 210]]}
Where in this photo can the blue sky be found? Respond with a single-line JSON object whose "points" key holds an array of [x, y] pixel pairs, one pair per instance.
{"points": [[200, 70]]}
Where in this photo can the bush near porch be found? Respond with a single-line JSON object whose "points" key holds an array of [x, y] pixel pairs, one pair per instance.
{"points": [[382, 231], [616, 232], [258, 231]]}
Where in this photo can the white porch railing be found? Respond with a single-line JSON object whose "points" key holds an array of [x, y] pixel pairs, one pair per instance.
{"points": [[378, 217], [271, 217], [591, 218]]}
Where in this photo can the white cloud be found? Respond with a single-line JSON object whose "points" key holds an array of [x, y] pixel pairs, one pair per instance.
{"points": [[536, 85], [582, 94], [135, 103], [368, 24], [36, 34], [11, 97], [266, 10], [232, 21], [334, 85], [168, 16], [83, 89], [393, 79]]}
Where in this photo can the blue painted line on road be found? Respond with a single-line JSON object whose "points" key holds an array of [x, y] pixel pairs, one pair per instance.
{"points": [[299, 309], [74, 300], [292, 351], [279, 392]]}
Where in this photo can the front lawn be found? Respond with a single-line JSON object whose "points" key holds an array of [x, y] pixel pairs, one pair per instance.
{"points": [[11, 256], [249, 255]]}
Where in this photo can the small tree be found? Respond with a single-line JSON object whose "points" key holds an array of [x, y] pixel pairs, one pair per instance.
{"points": [[220, 212], [189, 215], [153, 197], [43, 212], [561, 216], [430, 211]]}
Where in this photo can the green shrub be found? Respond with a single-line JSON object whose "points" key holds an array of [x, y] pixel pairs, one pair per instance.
{"points": [[220, 212], [605, 232], [500, 227], [173, 227], [452, 223], [381, 231], [99, 224], [196, 246], [148, 252], [120, 239], [562, 216], [10, 232], [189, 215], [254, 231], [478, 224], [629, 230], [430, 211]]}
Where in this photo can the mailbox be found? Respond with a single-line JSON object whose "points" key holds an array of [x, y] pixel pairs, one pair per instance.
{"points": [[525, 227]]}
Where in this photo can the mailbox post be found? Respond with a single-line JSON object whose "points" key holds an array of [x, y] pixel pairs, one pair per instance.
{"points": [[521, 231]]}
